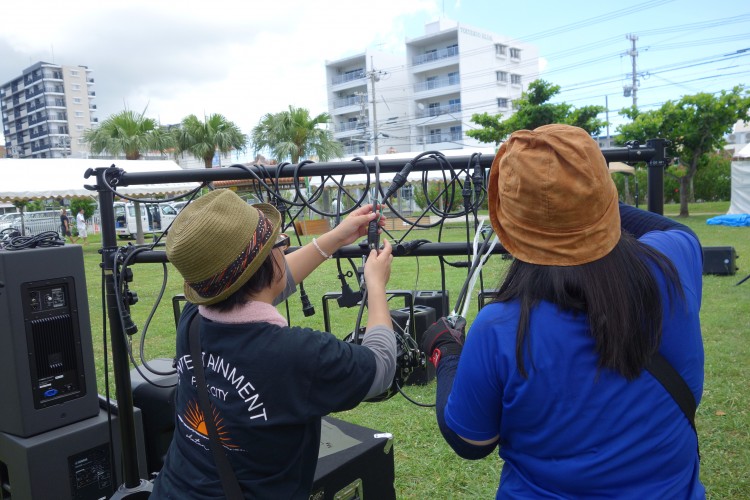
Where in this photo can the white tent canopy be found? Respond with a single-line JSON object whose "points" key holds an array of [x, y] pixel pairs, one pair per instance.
{"points": [[34, 179], [740, 203]]}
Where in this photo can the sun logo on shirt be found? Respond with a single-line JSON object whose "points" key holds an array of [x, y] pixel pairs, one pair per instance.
{"points": [[195, 418]]}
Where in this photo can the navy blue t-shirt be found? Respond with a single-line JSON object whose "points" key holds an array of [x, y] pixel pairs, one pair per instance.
{"points": [[269, 386]]}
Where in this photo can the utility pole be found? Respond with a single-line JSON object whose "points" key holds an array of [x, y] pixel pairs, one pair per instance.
{"points": [[362, 119], [633, 55], [374, 76]]}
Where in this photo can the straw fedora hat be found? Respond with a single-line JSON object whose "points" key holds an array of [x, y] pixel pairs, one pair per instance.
{"points": [[218, 242]]}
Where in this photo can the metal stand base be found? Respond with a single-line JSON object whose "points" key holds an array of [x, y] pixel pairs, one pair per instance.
{"points": [[142, 491]]}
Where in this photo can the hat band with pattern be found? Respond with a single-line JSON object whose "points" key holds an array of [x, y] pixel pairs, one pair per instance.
{"points": [[219, 282]]}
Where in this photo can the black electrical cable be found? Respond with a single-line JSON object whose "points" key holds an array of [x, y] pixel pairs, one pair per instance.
{"points": [[113, 172], [125, 315], [45, 239], [309, 203]]}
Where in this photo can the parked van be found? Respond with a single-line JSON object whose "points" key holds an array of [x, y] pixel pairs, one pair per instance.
{"points": [[155, 218]]}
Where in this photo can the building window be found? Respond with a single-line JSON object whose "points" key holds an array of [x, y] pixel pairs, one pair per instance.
{"points": [[453, 78], [75, 86], [79, 127], [515, 79], [502, 76], [452, 50], [502, 102], [76, 100], [434, 109], [454, 105], [435, 136], [515, 53], [500, 50], [432, 82], [456, 133], [73, 72], [79, 114]]}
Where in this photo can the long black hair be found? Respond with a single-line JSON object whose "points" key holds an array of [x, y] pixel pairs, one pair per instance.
{"points": [[618, 293]]}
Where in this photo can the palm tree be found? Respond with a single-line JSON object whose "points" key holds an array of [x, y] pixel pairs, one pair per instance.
{"points": [[203, 139], [294, 134], [129, 133]]}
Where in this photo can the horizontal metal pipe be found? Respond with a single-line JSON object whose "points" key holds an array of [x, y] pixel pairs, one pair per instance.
{"points": [[351, 251], [387, 165]]}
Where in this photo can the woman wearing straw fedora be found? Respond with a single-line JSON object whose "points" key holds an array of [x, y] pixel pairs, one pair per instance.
{"points": [[565, 371], [269, 384]]}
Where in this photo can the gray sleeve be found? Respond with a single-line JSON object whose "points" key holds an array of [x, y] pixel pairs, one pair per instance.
{"points": [[381, 340], [289, 289]]}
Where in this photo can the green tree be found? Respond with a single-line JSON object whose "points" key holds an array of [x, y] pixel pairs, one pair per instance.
{"points": [[35, 206], [202, 139], [713, 180], [87, 204], [533, 110], [695, 126], [294, 135], [129, 133]]}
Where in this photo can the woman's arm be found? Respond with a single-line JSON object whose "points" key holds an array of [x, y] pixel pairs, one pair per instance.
{"points": [[639, 222]]}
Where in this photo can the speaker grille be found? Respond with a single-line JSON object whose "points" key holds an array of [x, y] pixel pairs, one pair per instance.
{"points": [[54, 345]]}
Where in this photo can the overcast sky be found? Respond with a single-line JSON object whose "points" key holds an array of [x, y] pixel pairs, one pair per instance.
{"points": [[244, 59]]}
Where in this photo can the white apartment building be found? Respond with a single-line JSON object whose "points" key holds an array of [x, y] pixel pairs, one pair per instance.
{"points": [[45, 111], [450, 73], [368, 101]]}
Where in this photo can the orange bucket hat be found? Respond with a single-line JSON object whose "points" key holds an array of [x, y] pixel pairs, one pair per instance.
{"points": [[218, 242], [552, 201]]}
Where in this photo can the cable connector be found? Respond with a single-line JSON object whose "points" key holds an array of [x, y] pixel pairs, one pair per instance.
{"points": [[349, 298], [307, 308]]}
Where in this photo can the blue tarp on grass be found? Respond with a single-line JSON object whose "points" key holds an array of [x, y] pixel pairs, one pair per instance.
{"points": [[736, 220]]}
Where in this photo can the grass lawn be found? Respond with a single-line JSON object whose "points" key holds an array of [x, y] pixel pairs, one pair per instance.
{"points": [[425, 465]]}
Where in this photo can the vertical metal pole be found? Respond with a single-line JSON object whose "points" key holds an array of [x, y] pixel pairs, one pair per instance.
{"points": [[656, 167], [125, 416]]}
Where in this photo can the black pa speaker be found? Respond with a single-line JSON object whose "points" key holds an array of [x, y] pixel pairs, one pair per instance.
{"points": [[719, 260], [73, 462], [437, 299], [354, 462], [46, 354]]}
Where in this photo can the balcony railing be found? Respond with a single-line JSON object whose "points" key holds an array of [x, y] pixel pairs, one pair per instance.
{"points": [[437, 83], [348, 77], [437, 138], [349, 101], [353, 150], [435, 56], [346, 127], [439, 110]]}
